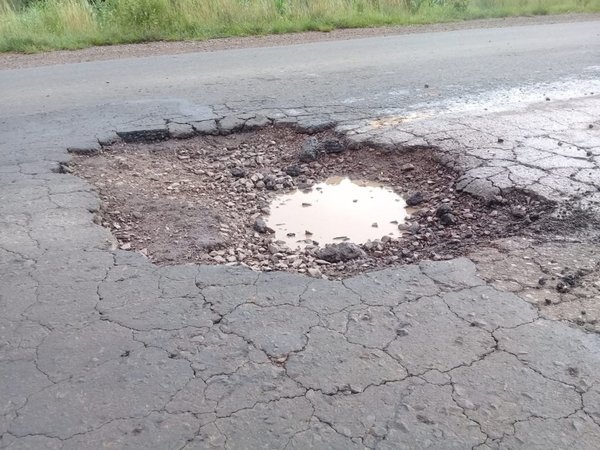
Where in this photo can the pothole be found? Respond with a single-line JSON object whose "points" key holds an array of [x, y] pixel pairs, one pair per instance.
{"points": [[275, 199]]}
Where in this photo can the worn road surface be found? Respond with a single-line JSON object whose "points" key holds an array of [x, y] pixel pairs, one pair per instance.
{"points": [[101, 349]]}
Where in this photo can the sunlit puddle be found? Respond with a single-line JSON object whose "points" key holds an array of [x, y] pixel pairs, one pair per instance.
{"points": [[336, 211]]}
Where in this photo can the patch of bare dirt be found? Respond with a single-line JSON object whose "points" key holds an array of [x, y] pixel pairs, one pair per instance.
{"points": [[198, 200]]}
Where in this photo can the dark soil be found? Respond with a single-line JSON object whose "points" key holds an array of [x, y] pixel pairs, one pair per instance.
{"points": [[197, 201]]}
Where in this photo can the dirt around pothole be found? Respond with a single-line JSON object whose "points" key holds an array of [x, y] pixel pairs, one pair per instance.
{"points": [[202, 200]]}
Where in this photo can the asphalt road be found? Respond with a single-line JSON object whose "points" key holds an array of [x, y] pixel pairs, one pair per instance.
{"points": [[100, 348], [374, 72]]}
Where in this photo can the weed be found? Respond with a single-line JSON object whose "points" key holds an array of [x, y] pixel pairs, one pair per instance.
{"points": [[280, 6]]}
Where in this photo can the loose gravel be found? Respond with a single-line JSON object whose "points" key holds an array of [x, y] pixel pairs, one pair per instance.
{"points": [[204, 200]]}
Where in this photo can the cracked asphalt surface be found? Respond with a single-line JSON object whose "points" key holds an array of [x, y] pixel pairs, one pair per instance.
{"points": [[101, 349]]}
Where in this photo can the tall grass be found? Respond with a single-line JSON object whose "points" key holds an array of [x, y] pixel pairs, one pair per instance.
{"points": [[37, 25]]}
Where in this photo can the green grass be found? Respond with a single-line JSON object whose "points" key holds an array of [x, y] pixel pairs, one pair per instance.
{"points": [[39, 25]]}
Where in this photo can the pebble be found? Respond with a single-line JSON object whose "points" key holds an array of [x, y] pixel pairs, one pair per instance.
{"points": [[518, 212], [315, 273], [261, 226], [415, 198], [414, 227], [333, 146], [238, 172], [443, 210], [322, 262], [293, 171], [447, 219], [310, 150]]}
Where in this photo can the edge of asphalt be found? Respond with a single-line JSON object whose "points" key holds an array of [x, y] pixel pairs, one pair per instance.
{"points": [[9, 61]]}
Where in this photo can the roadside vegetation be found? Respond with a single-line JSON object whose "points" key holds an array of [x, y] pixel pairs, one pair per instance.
{"points": [[38, 25]]}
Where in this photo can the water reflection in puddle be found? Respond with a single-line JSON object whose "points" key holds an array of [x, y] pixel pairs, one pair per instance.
{"points": [[335, 211]]}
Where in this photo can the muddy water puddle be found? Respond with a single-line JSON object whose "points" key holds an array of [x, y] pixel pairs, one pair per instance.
{"points": [[337, 210]]}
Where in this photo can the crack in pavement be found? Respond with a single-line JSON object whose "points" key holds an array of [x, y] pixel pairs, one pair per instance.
{"points": [[364, 364]]}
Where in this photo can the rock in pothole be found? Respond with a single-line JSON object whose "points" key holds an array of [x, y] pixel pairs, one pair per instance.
{"points": [[415, 198], [261, 226], [333, 146], [345, 251], [310, 150]]}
